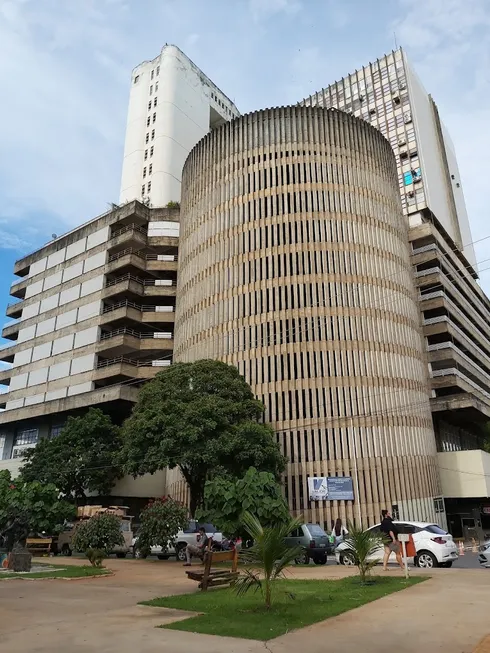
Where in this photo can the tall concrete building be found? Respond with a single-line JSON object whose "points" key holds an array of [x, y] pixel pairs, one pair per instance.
{"points": [[94, 318], [294, 266], [172, 105], [454, 310]]}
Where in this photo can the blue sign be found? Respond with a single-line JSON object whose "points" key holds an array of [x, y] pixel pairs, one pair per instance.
{"points": [[340, 488]]}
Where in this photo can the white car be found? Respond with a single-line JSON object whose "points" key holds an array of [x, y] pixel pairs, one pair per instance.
{"points": [[177, 548], [435, 547], [484, 557]]}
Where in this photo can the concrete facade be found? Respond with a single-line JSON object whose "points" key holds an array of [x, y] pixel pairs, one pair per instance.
{"points": [[294, 266], [455, 311], [172, 105], [94, 319]]}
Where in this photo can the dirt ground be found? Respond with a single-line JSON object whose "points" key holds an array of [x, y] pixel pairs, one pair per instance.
{"points": [[448, 613]]}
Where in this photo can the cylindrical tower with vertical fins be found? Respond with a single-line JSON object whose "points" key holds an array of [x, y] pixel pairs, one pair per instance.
{"points": [[294, 266]]}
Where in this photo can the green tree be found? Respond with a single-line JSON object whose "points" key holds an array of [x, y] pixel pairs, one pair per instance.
{"points": [[267, 559], [362, 546], [202, 418], [83, 458], [160, 521], [98, 536], [226, 499], [29, 507]]}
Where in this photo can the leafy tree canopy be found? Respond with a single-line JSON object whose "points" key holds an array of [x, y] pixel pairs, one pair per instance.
{"points": [[83, 458], [227, 499], [27, 507], [100, 533], [160, 521], [201, 417]]}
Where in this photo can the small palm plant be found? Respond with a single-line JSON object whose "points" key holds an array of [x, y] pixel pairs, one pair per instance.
{"points": [[268, 557], [363, 546]]}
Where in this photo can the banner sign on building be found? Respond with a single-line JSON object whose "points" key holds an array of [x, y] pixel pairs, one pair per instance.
{"points": [[333, 488]]}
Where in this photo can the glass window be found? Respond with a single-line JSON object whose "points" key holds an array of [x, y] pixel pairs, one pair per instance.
{"points": [[149, 186], [191, 527], [152, 74], [433, 528], [158, 70], [149, 105], [136, 79], [56, 430], [154, 117], [147, 138], [146, 154], [150, 168], [152, 134], [439, 505], [155, 102], [315, 530], [144, 173], [3, 439], [148, 121], [156, 87], [143, 189], [405, 529], [151, 89], [28, 436], [151, 150]]}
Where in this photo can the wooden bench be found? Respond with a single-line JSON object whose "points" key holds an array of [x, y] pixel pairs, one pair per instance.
{"points": [[209, 577], [39, 545]]}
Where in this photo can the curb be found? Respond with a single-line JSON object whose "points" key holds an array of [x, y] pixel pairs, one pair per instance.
{"points": [[60, 578]]}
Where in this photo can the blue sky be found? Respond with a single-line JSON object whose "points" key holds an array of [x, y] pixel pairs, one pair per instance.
{"points": [[65, 68]]}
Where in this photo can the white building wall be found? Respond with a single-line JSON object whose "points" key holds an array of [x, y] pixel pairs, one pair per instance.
{"points": [[180, 104]]}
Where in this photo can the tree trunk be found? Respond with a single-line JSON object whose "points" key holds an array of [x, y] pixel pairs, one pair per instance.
{"points": [[268, 594]]}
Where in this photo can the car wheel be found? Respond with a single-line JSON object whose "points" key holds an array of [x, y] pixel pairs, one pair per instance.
{"points": [[120, 554], [138, 554], [302, 559], [65, 550], [447, 564], [161, 556], [426, 560], [347, 559], [180, 551], [320, 560]]}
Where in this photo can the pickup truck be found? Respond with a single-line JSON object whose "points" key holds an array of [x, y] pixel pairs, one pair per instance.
{"points": [[177, 547]]}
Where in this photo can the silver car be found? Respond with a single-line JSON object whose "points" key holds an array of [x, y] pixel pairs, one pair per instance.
{"points": [[484, 557], [314, 541]]}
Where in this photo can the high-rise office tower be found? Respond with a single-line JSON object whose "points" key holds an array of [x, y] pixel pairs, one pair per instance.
{"points": [[455, 312], [294, 266], [172, 105]]}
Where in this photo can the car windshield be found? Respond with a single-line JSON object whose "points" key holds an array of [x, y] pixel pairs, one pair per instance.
{"points": [[436, 530], [315, 530], [209, 528]]}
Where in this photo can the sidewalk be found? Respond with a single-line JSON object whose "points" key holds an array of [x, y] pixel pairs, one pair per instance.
{"points": [[447, 613]]}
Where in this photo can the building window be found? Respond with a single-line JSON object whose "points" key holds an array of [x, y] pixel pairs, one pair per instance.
{"points": [[439, 505], [155, 102], [158, 70], [150, 168], [146, 154], [147, 137], [136, 79], [151, 150], [156, 87], [152, 134], [151, 89], [149, 186], [152, 74], [55, 431], [143, 189], [29, 436], [144, 173], [149, 105], [154, 117], [148, 121]]}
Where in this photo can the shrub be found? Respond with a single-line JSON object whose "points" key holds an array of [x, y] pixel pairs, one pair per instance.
{"points": [[101, 533], [362, 546], [161, 520]]}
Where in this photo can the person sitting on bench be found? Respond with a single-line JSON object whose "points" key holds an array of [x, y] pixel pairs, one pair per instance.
{"points": [[197, 550]]}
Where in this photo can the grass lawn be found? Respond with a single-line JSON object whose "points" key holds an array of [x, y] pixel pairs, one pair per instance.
{"points": [[296, 603], [64, 572]]}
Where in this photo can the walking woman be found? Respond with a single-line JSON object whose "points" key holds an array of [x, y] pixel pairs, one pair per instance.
{"points": [[339, 532]]}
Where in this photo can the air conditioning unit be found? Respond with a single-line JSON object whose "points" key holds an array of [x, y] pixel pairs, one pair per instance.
{"points": [[372, 111], [407, 117], [411, 194], [403, 86], [396, 99], [402, 142], [404, 154]]}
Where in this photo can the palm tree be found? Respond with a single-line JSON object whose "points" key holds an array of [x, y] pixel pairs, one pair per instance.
{"points": [[268, 557], [362, 546]]}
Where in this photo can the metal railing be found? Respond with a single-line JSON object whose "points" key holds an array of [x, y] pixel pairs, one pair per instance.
{"points": [[126, 252], [136, 334], [424, 273], [119, 360], [425, 248], [145, 308], [129, 227], [124, 277]]}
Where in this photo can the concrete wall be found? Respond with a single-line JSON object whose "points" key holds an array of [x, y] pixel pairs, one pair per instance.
{"points": [[464, 474], [184, 109]]}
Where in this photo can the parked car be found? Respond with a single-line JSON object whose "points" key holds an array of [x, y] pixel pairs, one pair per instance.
{"points": [[62, 542], [315, 542], [184, 537], [484, 556], [435, 546]]}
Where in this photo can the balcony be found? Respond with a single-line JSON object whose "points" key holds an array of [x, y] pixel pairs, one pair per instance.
{"points": [[464, 474], [133, 235], [122, 368], [121, 312], [14, 309], [125, 340], [5, 376], [130, 283]]}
